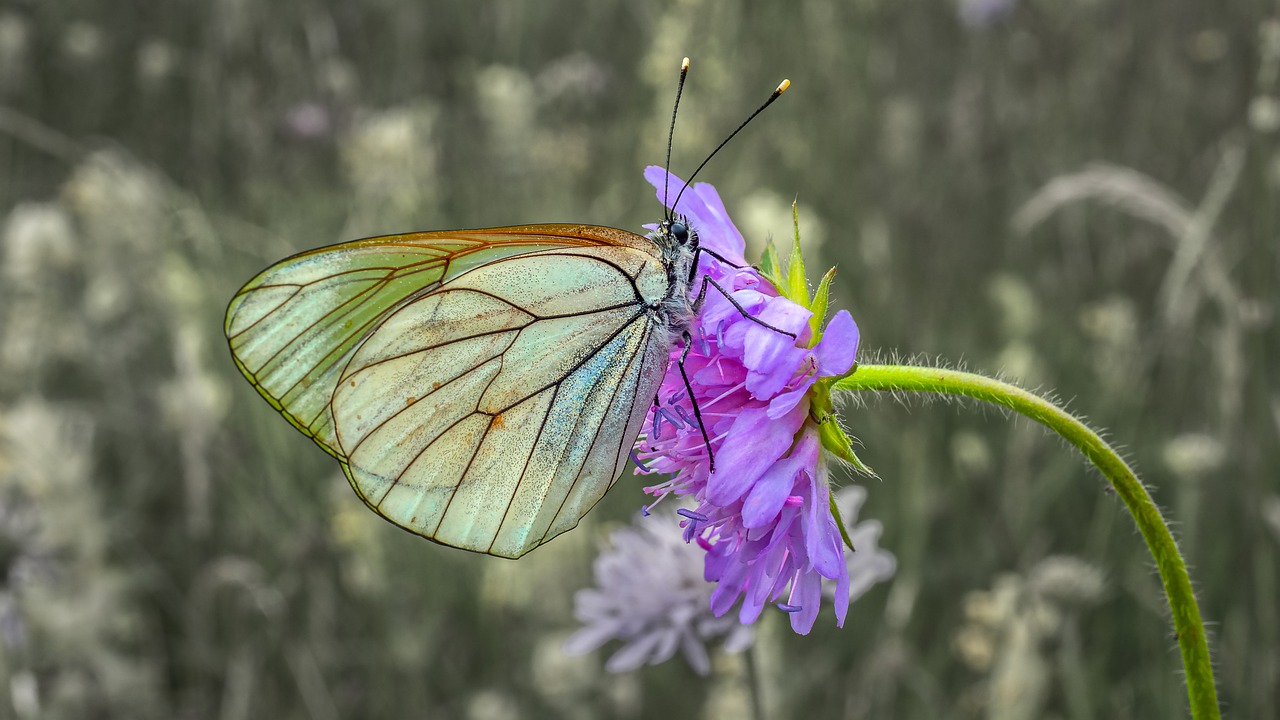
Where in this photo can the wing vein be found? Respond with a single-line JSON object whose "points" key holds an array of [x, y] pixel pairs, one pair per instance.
{"points": [[587, 456], [331, 317], [621, 271], [396, 414], [332, 277], [449, 503], [586, 358], [437, 346], [525, 467]]}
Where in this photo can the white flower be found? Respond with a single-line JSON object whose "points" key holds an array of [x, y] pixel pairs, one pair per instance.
{"points": [[870, 564], [650, 593]]}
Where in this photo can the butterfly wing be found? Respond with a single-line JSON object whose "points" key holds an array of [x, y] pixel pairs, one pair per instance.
{"points": [[493, 412], [480, 388], [294, 327]]}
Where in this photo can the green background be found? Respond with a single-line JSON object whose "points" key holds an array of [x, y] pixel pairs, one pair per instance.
{"points": [[1080, 195]]}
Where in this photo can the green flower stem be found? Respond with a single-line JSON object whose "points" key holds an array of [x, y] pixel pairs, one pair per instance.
{"points": [[1173, 571]]}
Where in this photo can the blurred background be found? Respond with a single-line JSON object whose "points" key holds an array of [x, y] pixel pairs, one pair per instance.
{"points": [[1080, 195]]}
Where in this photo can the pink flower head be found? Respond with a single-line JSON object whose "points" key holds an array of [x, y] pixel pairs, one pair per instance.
{"points": [[763, 517]]}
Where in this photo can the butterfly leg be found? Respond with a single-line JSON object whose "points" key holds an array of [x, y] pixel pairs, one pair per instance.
{"points": [[702, 297], [693, 267], [721, 258], [697, 413]]}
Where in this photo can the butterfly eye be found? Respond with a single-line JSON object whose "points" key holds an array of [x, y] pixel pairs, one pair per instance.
{"points": [[680, 232]]}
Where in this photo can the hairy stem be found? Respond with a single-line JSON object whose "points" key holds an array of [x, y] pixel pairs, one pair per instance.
{"points": [[1173, 570]]}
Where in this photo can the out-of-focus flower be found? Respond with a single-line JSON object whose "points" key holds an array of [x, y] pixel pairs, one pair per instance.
{"points": [[978, 14], [307, 121], [1012, 631], [650, 594], [391, 159], [870, 564], [1271, 514], [760, 378]]}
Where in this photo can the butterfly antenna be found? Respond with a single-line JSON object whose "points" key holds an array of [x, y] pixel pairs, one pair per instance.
{"points": [[666, 183], [781, 89]]}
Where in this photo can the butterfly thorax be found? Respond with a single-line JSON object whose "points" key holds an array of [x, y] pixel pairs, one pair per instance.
{"points": [[678, 242]]}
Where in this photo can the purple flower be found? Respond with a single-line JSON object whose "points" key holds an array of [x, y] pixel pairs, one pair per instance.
{"points": [[764, 516]]}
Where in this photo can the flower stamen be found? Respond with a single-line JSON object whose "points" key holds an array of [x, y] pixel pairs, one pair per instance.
{"points": [[639, 463], [695, 516]]}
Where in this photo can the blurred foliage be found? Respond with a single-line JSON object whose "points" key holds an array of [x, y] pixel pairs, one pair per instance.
{"points": [[1079, 194]]}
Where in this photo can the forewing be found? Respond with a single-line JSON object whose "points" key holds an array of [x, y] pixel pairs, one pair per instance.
{"points": [[494, 412], [293, 328]]}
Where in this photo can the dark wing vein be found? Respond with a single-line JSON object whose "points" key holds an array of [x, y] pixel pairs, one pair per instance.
{"points": [[596, 435], [532, 448], [460, 376], [587, 358], [330, 278], [621, 271], [334, 316], [479, 396]]}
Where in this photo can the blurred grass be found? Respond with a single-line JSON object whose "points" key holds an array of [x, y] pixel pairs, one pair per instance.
{"points": [[1079, 194]]}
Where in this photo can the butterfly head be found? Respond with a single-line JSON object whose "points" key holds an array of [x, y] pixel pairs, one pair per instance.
{"points": [[679, 231], [677, 241], [675, 234]]}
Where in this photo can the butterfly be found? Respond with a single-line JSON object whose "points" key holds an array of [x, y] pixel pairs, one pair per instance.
{"points": [[480, 388]]}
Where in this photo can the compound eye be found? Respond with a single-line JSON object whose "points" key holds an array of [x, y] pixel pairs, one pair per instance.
{"points": [[680, 232]]}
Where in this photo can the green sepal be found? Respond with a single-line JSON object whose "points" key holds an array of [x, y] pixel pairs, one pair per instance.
{"points": [[838, 444], [835, 513], [834, 380], [819, 305], [770, 267], [797, 289], [833, 437]]}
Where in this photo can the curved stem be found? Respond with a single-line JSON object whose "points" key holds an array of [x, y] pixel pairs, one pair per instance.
{"points": [[1173, 571]]}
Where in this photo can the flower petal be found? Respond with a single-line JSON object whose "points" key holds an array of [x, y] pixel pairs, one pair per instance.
{"points": [[752, 606], [782, 404], [754, 442], [807, 593], [708, 211], [702, 205], [634, 654], [765, 500], [657, 177], [840, 601], [838, 346], [696, 654], [718, 314], [729, 587], [822, 538], [589, 638], [773, 357]]}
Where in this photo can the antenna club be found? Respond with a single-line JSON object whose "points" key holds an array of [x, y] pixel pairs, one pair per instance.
{"points": [[781, 88], [684, 66]]}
